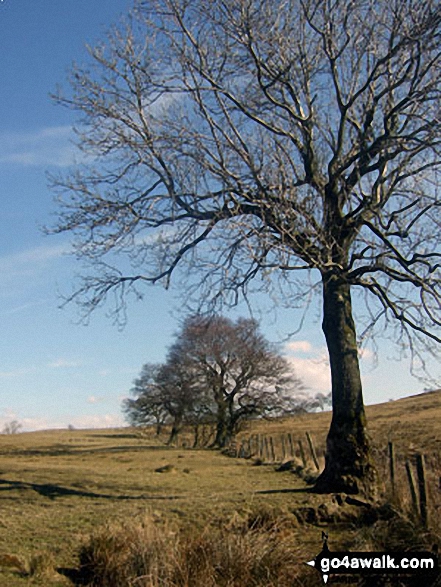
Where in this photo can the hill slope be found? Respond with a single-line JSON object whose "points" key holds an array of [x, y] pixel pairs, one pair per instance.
{"points": [[56, 487]]}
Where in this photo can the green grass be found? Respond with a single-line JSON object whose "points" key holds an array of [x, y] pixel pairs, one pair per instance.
{"points": [[58, 487]]}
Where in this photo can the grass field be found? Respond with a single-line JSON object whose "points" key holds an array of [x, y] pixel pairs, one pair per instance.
{"points": [[57, 487]]}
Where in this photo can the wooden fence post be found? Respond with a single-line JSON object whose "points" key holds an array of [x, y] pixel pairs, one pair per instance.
{"points": [[273, 452], [291, 444], [302, 454], [261, 446], [422, 488], [250, 446], [391, 452], [312, 449], [250, 449], [241, 453], [411, 480], [283, 448], [267, 452]]}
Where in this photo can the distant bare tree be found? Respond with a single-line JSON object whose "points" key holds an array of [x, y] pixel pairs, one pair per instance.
{"points": [[248, 140], [163, 394], [147, 407], [313, 403], [12, 427]]}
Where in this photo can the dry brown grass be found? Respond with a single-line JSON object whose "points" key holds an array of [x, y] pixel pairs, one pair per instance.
{"points": [[146, 554]]}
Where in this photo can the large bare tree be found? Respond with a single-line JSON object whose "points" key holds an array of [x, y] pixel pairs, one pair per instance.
{"points": [[248, 141]]}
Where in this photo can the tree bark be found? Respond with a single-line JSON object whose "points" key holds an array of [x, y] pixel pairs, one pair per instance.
{"points": [[196, 436], [348, 464], [220, 440], [175, 430]]}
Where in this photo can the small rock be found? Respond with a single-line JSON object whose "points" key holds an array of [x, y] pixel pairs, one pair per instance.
{"points": [[165, 469]]}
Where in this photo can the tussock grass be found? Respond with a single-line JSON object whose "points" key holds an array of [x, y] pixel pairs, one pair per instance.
{"points": [[42, 565], [255, 554], [258, 549]]}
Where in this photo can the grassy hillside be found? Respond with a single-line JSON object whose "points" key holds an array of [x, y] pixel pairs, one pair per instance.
{"points": [[56, 487]]}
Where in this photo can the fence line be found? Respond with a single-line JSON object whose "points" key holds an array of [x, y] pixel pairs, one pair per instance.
{"points": [[279, 449]]}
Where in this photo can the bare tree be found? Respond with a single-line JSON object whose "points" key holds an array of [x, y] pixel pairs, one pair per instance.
{"points": [[255, 141], [238, 368], [217, 372], [147, 407], [12, 427], [185, 397], [313, 403]]}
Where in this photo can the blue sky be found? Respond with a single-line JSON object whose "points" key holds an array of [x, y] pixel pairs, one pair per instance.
{"points": [[55, 371]]}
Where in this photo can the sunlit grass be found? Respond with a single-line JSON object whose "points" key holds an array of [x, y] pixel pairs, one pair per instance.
{"points": [[59, 487]]}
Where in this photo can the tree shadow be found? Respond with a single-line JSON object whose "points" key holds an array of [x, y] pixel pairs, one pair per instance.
{"points": [[52, 491], [77, 576], [75, 450], [295, 490]]}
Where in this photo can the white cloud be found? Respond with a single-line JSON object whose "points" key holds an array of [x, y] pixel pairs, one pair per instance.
{"points": [[103, 421], [64, 364], [86, 421], [8, 415], [303, 346], [312, 367], [366, 354], [30, 424], [43, 147], [315, 375], [93, 399], [311, 364], [39, 254]]}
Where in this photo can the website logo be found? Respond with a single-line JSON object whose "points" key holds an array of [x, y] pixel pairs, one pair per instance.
{"points": [[378, 563]]}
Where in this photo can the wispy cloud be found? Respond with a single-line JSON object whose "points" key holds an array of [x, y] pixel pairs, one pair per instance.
{"points": [[102, 421], [30, 424], [93, 399], [303, 346], [39, 254], [23, 308], [64, 364], [25, 263], [18, 372], [44, 147]]}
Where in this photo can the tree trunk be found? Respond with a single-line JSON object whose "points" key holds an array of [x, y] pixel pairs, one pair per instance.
{"points": [[196, 435], [175, 430], [220, 440], [348, 465]]}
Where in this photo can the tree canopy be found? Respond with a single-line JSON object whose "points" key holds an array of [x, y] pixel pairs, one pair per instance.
{"points": [[244, 140], [218, 371]]}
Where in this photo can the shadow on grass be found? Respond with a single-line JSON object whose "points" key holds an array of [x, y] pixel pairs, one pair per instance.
{"points": [[117, 436], [53, 491], [75, 451], [295, 490], [77, 576]]}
